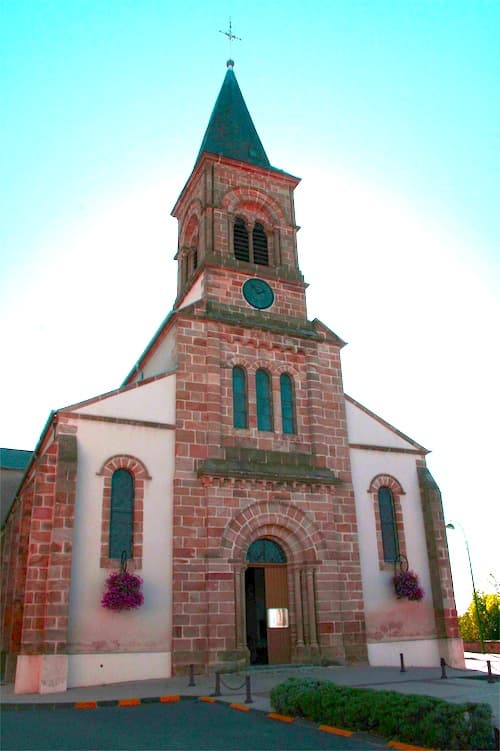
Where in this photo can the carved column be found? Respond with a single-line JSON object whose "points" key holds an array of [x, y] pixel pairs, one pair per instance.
{"points": [[239, 597], [311, 604], [298, 607]]}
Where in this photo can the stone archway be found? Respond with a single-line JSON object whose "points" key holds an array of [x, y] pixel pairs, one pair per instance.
{"points": [[295, 532], [266, 603]]}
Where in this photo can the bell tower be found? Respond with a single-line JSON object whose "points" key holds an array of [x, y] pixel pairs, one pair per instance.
{"points": [[264, 521], [237, 245]]}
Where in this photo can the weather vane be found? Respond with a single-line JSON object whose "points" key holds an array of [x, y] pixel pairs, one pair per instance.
{"points": [[229, 34]]}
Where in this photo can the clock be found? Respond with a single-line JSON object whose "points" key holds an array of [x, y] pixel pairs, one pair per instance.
{"points": [[258, 293]]}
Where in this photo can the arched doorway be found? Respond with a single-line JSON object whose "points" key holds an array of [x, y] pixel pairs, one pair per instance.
{"points": [[266, 603]]}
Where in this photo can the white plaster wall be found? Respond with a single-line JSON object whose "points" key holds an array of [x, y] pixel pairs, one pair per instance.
{"points": [[153, 401], [101, 669], [362, 428], [421, 653], [93, 629], [194, 294], [164, 358], [387, 618]]}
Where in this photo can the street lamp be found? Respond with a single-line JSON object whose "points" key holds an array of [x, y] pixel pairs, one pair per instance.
{"points": [[453, 525]]}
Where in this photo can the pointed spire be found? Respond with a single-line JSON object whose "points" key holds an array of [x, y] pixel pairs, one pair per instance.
{"points": [[230, 131]]}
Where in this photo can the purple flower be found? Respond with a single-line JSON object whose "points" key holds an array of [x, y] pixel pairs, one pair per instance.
{"points": [[123, 591], [406, 585]]}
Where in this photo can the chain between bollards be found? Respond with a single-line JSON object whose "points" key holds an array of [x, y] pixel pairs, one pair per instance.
{"points": [[442, 662], [246, 683]]}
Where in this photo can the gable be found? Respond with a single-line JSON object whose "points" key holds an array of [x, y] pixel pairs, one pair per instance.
{"points": [[152, 401], [366, 429]]}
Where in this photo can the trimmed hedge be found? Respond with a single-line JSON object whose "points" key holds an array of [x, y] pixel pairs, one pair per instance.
{"points": [[410, 718]]}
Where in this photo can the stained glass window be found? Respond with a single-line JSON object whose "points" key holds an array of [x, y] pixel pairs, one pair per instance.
{"points": [[388, 525], [240, 408], [265, 551], [287, 404], [122, 514], [264, 401]]}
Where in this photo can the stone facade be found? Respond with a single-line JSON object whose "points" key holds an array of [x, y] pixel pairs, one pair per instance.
{"points": [[206, 490]]}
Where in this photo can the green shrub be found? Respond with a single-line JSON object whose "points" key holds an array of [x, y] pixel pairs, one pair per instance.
{"points": [[410, 718]]}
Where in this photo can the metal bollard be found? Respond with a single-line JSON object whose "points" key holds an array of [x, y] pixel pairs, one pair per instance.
{"points": [[442, 662], [217, 684], [191, 676], [402, 660], [249, 699], [491, 677]]}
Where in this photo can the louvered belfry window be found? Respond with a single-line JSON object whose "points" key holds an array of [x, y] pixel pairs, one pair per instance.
{"points": [[287, 404], [240, 402], [259, 242], [264, 401], [388, 525], [241, 246], [122, 514]]}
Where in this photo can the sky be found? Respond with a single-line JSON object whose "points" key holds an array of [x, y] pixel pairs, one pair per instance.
{"points": [[387, 110]]}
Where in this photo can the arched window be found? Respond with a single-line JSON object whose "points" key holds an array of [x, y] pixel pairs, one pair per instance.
{"points": [[265, 551], [240, 238], [121, 522], [259, 245], [390, 542], [240, 401], [264, 401], [287, 404]]}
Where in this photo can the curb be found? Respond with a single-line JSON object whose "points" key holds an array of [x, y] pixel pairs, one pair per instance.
{"points": [[99, 703]]}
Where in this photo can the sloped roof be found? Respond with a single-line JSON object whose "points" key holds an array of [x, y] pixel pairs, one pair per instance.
{"points": [[14, 458], [231, 132]]}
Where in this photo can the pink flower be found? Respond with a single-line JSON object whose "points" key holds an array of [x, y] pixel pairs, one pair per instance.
{"points": [[123, 591], [406, 585]]}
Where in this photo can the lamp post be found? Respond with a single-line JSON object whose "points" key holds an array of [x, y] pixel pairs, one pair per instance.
{"points": [[453, 525]]}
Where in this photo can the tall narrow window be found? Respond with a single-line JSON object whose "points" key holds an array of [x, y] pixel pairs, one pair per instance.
{"points": [[122, 514], [287, 404], [259, 245], [264, 402], [240, 237], [390, 542], [240, 401]]}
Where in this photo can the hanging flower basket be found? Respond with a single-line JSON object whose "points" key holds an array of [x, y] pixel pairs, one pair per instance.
{"points": [[406, 585], [123, 590]]}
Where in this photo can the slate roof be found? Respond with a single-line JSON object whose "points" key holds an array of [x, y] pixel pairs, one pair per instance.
{"points": [[230, 131], [14, 458]]}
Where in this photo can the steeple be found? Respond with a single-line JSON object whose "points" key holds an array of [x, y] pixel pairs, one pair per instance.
{"points": [[237, 220], [231, 132]]}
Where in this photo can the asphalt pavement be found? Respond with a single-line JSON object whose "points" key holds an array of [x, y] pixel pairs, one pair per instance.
{"points": [[459, 686], [186, 725]]}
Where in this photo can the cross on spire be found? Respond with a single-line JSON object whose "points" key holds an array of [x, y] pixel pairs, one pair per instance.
{"points": [[229, 34]]}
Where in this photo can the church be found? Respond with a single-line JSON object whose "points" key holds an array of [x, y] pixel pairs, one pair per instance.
{"points": [[268, 514]]}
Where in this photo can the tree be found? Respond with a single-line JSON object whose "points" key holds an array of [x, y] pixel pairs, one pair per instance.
{"points": [[488, 606]]}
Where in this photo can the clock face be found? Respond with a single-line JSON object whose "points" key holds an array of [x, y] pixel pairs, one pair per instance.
{"points": [[258, 293]]}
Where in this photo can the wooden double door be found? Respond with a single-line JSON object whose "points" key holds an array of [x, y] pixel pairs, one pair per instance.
{"points": [[267, 615]]}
